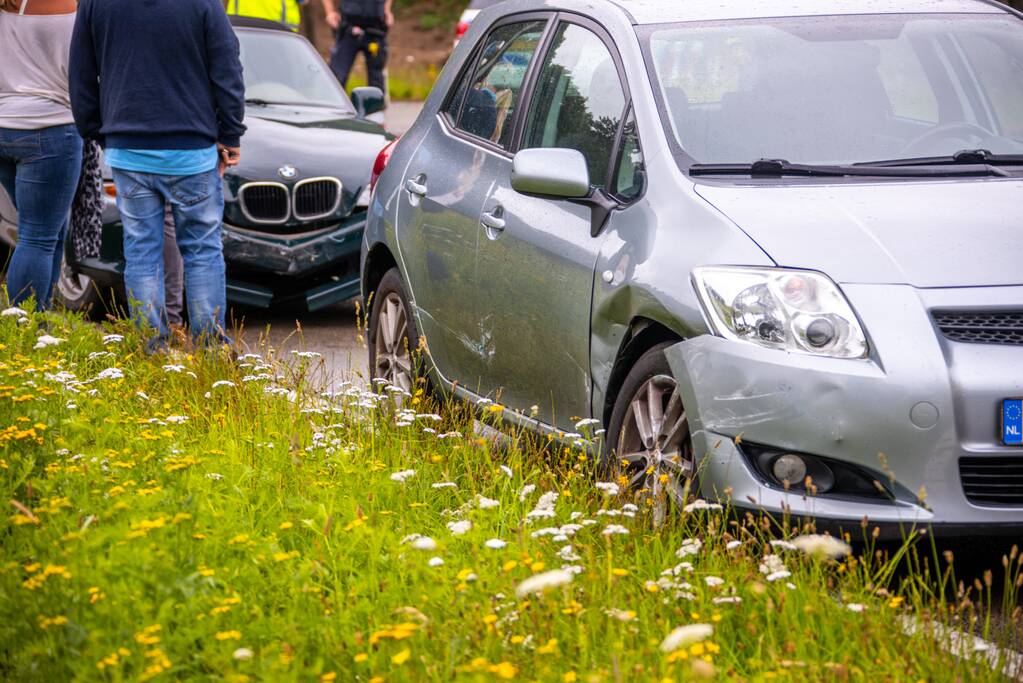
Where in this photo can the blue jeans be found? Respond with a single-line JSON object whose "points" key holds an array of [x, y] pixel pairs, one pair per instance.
{"points": [[39, 169], [197, 202]]}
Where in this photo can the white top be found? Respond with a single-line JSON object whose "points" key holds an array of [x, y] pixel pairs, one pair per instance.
{"points": [[34, 70]]}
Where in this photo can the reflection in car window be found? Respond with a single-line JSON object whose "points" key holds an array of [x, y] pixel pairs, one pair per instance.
{"points": [[841, 89], [579, 100], [279, 67], [631, 172], [484, 100]]}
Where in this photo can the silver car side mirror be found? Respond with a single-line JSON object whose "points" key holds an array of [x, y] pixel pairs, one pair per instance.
{"points": [[551, 172]]}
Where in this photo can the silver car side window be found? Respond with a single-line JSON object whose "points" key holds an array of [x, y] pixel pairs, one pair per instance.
{"points": [[486, 97], [579, 100]]}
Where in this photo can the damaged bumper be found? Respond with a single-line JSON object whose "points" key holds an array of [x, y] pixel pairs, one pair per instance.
{"points": [[906, 416], [320, 268]]}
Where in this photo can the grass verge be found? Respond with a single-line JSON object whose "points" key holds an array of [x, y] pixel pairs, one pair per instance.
{"points": [[200, 519]]}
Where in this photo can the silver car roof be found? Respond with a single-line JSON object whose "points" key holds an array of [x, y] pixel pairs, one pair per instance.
{"points": [[664, 11]]}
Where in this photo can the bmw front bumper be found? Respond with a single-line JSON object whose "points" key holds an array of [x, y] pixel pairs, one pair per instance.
{"points": [[910, 413]]}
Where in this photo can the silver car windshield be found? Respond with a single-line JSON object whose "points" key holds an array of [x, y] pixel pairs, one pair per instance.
{"points": [[841, 89], [281, 68]]}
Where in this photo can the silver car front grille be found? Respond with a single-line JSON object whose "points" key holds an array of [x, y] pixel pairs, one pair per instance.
{"points": [[996, 480], [981, 327], [265, 203]]}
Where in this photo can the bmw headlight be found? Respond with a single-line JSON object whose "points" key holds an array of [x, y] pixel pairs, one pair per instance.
{"points": [[791, 310], [364, 198]]}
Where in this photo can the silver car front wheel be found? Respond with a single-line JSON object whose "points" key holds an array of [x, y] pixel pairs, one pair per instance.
{"points": [[391, 343], [650, 431]]}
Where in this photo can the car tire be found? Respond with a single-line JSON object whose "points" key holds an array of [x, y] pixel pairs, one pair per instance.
{"points": [[394, 345], [648, 437], [78, 292]]}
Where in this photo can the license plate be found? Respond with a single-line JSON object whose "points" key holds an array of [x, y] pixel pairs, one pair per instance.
{"points": [[1012, 422]]}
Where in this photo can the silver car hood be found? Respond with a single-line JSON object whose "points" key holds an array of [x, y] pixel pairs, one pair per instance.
{"points": [[957, 233]]}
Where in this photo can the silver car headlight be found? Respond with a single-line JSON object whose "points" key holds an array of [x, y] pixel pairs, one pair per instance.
{"points": [[790, 310], [364, 197]]}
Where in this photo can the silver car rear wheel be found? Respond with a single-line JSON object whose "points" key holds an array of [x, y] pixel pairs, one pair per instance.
{"points": [[391, 342]]}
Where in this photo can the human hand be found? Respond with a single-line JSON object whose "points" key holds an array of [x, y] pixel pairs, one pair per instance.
{"points": [[229, 156], [333, 19], [357, 31], [389, 18]]}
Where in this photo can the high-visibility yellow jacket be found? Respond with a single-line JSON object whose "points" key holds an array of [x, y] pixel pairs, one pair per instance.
{"points": [[285, 11]]}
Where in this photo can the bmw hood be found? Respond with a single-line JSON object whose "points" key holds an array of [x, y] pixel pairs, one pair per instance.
{"points": [[956, 233]]}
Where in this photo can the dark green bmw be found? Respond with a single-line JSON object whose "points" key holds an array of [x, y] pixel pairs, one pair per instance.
{"points": [[295, 206]]}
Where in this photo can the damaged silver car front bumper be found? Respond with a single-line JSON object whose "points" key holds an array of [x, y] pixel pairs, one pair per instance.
{"points": [[908, 414]]}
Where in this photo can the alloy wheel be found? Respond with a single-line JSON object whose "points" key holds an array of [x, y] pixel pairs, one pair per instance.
{"points": [[654, 450], [72, 286], [393, 362]]}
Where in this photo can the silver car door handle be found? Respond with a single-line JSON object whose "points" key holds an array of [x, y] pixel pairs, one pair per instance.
{"points": [[493, 220], [415, 187]]}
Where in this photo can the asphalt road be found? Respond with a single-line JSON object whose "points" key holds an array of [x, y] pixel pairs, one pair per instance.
{"points": [[331, 332]]}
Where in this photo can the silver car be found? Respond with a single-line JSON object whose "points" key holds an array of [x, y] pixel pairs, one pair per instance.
{"points": [[774, 249]]}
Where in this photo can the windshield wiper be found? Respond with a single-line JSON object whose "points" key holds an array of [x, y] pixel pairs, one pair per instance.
{"points": [[780, 168], [259, 102], [961, 158]]}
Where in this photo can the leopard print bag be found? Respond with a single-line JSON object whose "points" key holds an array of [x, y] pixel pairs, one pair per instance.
{"points": [[87, 209]]}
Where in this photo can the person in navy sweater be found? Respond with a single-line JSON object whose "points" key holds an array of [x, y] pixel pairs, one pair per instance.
{"points": [[159, 85]]}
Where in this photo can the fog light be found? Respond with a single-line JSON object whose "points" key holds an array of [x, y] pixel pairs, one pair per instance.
{"points": [[789, 468]]}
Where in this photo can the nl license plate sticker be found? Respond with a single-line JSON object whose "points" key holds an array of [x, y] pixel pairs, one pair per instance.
{"points": [[1012, 422]]}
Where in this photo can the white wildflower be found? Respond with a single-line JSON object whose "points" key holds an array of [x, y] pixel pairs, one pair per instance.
{"points": [[620, 614], [174, 368], [223, 383], [732, 545], [613, 529], [460, 527], [46, 340], [690, 546], [771, 564], [608, 488], [177, 419], [495, 544], [507, 471], [713, 581], [822, 546], [424, 543], [111, 373], [855, 607], [307, 354], [401, 476], [568, 554], [684, 636], [783, 545], [436, 562], [214, 476], [113, 338], [242, 654], [779, 575], [544, 507], [727, 600], [538, 583], [526, 490], [485, 503], [444, 485], [700, 504], [13, 312]]}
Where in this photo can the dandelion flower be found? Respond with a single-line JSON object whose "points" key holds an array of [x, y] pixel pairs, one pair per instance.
{"points": [[539, 583], [401, 657], [822, 546], [684, 636], [495, 544]]}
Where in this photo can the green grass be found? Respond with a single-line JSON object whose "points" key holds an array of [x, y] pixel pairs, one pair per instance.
{"points": [[261, 538]]}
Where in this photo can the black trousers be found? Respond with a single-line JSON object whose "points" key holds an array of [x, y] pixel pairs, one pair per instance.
{"points": [[349, 45]]}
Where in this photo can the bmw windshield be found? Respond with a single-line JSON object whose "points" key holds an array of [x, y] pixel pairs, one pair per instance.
{"points": [[842, 90], [281, 68]]}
